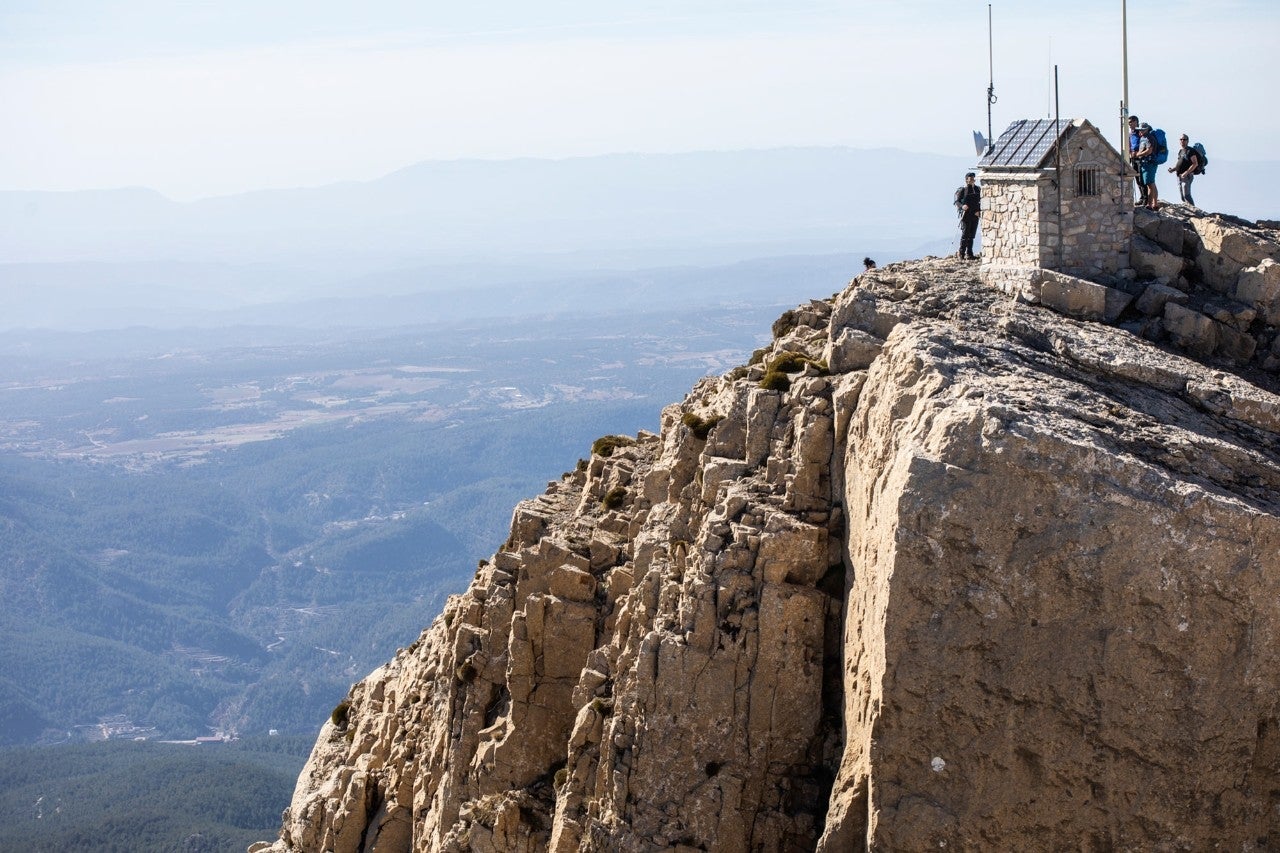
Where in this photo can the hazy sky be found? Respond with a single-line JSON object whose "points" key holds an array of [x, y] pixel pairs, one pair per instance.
{"points": [[208, 97]]}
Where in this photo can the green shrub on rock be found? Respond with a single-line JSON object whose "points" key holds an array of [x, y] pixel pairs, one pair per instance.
{"points": [[784, 324], [794, 362], [341, 715], [606, 444], [774, 380], [776, 371], [613, 498], [700, 427]]}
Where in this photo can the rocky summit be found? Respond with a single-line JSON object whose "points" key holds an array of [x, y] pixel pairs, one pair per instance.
{"points": [[943, 567]]}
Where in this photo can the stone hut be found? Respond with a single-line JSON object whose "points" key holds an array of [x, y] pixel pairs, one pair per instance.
{"points": [[1055, 196]]}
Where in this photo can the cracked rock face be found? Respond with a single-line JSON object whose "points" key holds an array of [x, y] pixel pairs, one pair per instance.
{"points": [[939, 571]]}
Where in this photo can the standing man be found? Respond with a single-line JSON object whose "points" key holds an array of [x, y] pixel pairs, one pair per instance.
{"points": [[969, 207], [1187, 165], [1147, 164], [1134, 140]]}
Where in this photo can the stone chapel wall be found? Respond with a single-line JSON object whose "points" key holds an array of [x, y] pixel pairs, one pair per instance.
{"points": [[1096, 228], [1011, 217], [1024, 230]]}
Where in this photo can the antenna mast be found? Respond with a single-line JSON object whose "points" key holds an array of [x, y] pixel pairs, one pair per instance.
{"points": [[991, 84], [1124, 63]]}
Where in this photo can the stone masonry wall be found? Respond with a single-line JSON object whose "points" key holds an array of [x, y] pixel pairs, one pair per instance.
{"points": [[1096, 229], [1010, 222], [1020, 226]]}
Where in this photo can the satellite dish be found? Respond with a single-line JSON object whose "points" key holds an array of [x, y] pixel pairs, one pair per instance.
{"points": [[979, 143]]}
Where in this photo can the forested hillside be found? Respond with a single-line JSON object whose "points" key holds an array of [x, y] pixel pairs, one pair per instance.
{"points": [[223, 532], [144, 797]]}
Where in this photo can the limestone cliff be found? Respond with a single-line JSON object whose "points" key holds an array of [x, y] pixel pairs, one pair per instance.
{"points": [[939, 569]]}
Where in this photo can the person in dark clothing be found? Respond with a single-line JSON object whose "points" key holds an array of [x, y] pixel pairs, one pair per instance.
{"points": [[969, 207], [868, 264], [1187, 165]]}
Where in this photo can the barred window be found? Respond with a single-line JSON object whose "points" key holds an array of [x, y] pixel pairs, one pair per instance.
{"points": [[1087, 182]]}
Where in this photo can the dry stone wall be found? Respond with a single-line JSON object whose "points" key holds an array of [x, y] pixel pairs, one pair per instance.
{"points": [[938, 570]]}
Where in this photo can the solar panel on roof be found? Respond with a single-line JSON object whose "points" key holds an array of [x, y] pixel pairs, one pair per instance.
{"points": [[1025, 143]]}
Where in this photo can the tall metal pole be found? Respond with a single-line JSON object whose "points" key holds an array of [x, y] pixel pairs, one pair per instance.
{"points": [[1057, 157], [1124, 64], [991, 83]]}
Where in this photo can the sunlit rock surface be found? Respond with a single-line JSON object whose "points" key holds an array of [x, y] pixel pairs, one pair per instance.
{"points": [[938, 570]]}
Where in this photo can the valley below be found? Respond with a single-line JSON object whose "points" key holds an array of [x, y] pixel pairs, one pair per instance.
{"points": [[214, 532]]}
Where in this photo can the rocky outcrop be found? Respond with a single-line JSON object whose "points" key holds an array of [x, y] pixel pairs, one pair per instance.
{"points": [[1206, 284], [938, 569], [1216, 284]]}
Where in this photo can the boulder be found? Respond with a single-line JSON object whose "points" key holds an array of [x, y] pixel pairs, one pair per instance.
{"points": [[1150, 260], [1259, 286], [1078, 298], [1227, 249], [1190, 329], [1154, 297], [852, 349]]}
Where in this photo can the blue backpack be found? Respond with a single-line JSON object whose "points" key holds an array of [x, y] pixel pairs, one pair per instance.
{"points": [[1162, 146]]}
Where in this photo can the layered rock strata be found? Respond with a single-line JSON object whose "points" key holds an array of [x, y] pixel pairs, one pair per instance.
{"points": [[938, 570]]}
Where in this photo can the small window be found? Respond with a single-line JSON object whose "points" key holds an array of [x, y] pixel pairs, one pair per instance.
{"points": [[1087, 182]]}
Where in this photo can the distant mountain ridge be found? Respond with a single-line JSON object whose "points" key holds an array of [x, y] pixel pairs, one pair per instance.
{"points": [[111, 258], [774, 201], [809, 199]]}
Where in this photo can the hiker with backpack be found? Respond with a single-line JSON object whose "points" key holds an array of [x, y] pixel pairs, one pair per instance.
{"points": [[1135, 139], [969, 207], [1189, 164], [1149, 163]]}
